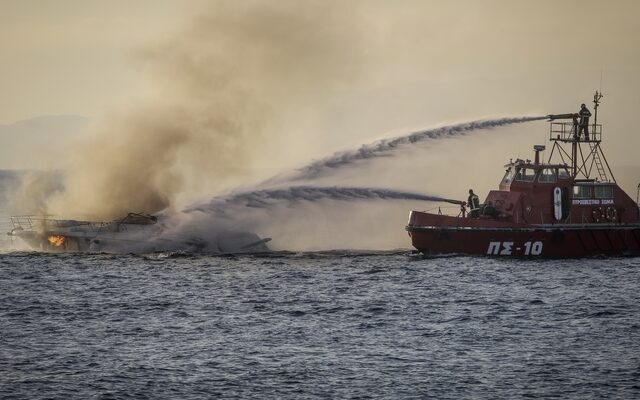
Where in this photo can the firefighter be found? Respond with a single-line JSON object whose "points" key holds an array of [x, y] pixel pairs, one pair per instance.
{"points": [[474, 204], [584, 121]]}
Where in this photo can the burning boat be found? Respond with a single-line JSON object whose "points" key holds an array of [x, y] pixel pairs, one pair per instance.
{"points": [[569, 206], [137, 233]]}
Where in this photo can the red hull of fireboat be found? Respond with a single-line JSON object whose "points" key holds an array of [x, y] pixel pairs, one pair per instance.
{"points": [[440, 234], [570, 206]]}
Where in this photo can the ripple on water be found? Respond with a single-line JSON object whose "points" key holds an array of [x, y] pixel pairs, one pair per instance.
{"points": [[317, 325]]}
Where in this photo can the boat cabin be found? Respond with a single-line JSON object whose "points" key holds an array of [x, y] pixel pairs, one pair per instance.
{"points": [[534, 192]]}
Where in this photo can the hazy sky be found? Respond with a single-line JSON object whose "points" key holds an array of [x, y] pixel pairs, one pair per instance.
{"points": [[393, 66], [79, 56], [76, 56]]}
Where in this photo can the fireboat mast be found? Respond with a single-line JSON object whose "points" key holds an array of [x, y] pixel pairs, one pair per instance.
{"points": [[582, 159], [596, 103]]}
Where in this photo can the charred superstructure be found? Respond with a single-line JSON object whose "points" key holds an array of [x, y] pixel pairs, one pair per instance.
{"points": [[135, 233], [569, 206]]}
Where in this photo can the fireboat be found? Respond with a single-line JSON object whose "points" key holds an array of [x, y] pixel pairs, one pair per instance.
{"points": [[568, 207]]}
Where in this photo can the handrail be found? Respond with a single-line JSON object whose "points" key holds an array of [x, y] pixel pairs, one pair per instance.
{"points": [[568, 132], [31, 222], [47, 222]]}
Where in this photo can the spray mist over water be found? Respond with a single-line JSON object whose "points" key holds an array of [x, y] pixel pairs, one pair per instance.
{"points": [[261, 198], [325, 166], [265, 198], [235, 207]]}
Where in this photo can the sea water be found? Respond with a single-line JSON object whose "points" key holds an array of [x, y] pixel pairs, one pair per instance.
{"points": [[317, 325]]}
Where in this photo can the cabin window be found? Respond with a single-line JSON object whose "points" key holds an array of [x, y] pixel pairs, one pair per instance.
{"points": [[603, 192], [563, 173], [508, 176], [548, 175], [525, 174], [582, 192]]}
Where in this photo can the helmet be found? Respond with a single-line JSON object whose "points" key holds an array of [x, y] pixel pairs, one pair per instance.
{"points": [[583, 105]]}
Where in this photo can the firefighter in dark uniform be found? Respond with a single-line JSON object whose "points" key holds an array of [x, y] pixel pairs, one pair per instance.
{"points": [[474, 204], [584, 121]]}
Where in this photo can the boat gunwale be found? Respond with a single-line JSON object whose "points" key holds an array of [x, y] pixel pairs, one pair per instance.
{"points": [[530, 228]]}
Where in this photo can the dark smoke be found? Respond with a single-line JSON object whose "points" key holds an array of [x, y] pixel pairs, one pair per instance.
{"points": [[222, 85]]}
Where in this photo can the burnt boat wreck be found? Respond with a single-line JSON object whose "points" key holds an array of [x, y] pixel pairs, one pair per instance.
{"points": [[135, 233]]}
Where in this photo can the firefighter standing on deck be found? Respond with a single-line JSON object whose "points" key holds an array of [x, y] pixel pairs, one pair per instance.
{"points": [[584, 121], [474, 204]]}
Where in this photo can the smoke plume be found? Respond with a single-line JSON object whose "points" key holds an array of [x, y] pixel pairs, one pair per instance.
{"points": [[222, 85]]}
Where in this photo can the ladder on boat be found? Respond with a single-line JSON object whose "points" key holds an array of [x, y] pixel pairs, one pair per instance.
{"points": [[598, 162]]}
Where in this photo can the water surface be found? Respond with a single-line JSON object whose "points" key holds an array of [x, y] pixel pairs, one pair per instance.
{"points": [[317, 325]]}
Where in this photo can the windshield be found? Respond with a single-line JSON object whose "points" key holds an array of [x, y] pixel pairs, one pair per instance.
{"points": [[563, 173], [548, 175], [508, 176], [525, 174]]}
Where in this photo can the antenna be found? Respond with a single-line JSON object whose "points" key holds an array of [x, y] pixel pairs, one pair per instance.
{"points": [[596, 100], [600, 80]]}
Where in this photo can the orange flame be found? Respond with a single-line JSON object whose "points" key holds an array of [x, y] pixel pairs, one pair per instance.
{"points": [[56, 240]]}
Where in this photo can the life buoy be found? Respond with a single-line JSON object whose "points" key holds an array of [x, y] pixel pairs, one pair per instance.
{"points": [[557, 203], [612, 213], [598, 214]]}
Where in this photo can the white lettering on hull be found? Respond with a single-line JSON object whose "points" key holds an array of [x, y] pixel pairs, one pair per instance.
{"points": [[506, 248], [592, 202]]}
